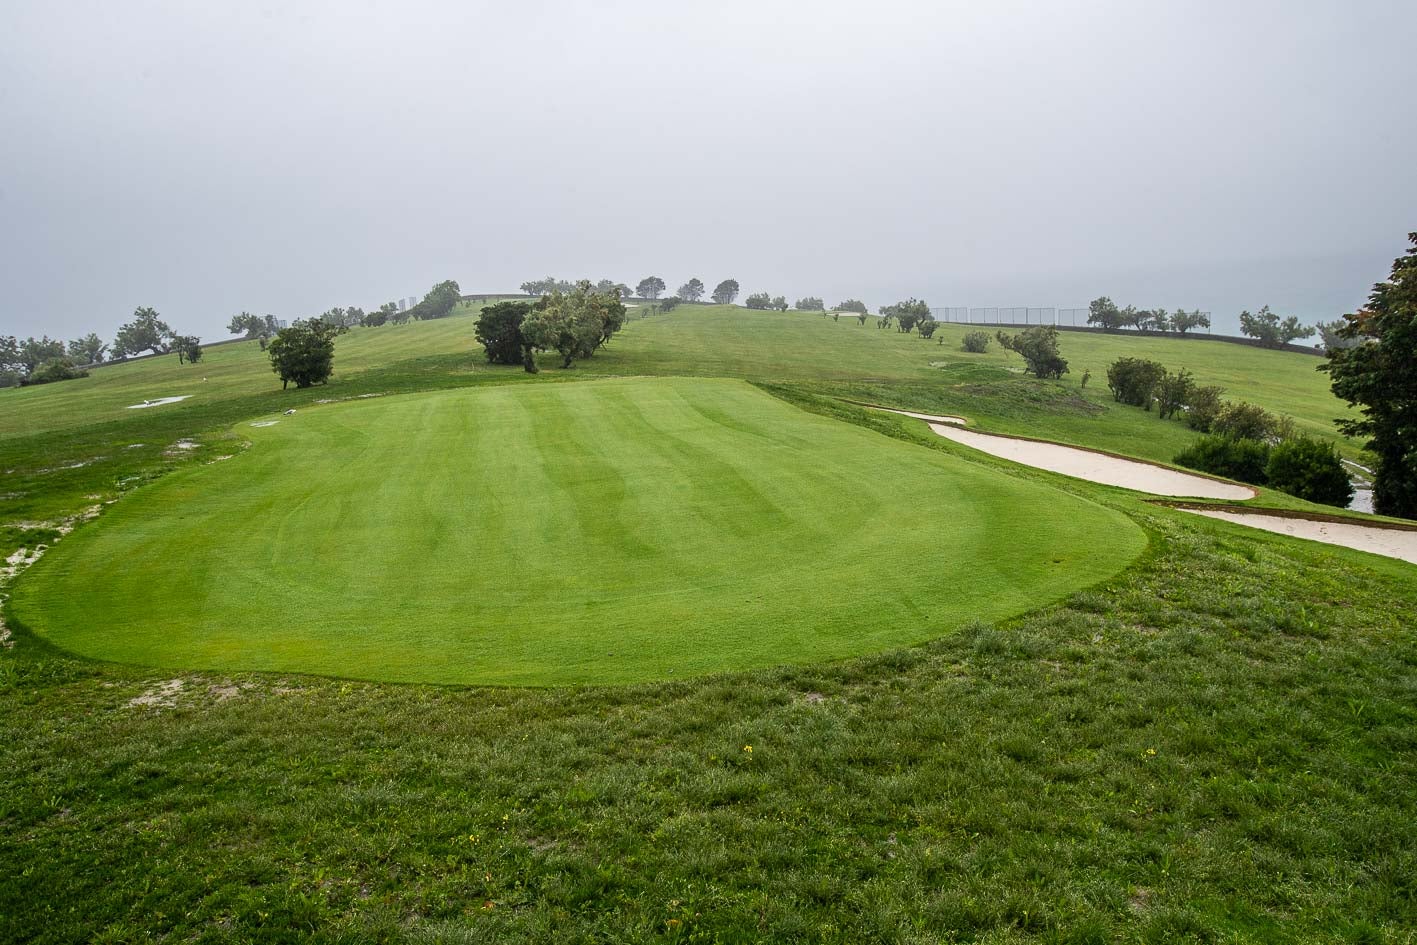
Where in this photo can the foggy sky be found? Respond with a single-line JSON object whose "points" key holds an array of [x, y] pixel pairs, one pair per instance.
{"points": [[206, 158]]}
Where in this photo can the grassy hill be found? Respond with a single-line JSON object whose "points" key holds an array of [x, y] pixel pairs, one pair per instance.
{"points": [[1215, 744]]}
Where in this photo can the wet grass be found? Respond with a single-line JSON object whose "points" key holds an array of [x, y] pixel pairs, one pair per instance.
{"points": [[1215, 746]]}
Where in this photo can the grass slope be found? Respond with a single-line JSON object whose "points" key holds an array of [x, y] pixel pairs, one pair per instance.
{"points": [[1216, 745], [572, 533]]}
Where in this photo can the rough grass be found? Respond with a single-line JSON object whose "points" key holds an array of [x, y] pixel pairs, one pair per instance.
{"points": [[1216, 746], [571, 533]]}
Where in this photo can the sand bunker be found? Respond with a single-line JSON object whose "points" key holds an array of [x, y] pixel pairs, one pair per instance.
{"points": [[158, 403], [928, 417], [265, 423], [1389, 542], [1085, 464]]}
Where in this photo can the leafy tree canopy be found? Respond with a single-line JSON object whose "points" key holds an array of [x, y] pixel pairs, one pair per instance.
{"points": [[89, 349], [1379, 376], [499, 330], [691, 291], [440, 300], [146, 332], [810, 304], [304, 353], [1038, 346], [758, 300], [573, 324], [1266, 327], [726, 291], [853, 305], [650, 287]]}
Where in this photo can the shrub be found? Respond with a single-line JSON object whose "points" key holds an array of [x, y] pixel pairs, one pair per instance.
{"points": [[759, 300], [55, 369], [1245, 460], [1203, 406], [1310, 469], [927, 326], [1245, 421], [976, 342], [1133, 380], [1172, 393], [1038, 346]]}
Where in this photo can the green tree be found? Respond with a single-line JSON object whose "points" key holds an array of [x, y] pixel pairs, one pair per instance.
{"points": [[36, 351], [927, 326], [1245, 421], [1183, 321], [691, 291], [1134, 380], [304, 353], [759, 300], [810, 304], [1332, 337], [439, 302], [573, 324], [1267, 328], [779, 302], [1103, 312], [1379, 376], [726, 291], [853, 305], [650, 287], [1310, 469], [546, 286], [11, 369], [55, 369], [88, 349], [1204, 407], [146, 332], [907, 314], [499, 330], [1173, 392], [188, 348], [1038, 346], [976, 342]]}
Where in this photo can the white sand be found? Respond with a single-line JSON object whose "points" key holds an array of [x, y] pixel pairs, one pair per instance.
{"points": [[158, 403], [1085, 464], [929, 417], [1389, 542], [265, 423]]}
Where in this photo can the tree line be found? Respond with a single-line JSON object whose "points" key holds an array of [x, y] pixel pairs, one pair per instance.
{"points": [[44, 360], [1265, 326]]}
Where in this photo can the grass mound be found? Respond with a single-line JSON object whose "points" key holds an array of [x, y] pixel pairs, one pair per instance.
{"points": [[599, 532]]}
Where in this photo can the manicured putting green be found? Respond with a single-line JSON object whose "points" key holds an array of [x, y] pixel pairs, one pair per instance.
{"points": [[595, 532]]}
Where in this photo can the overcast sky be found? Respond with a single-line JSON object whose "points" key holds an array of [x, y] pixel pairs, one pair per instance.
{"points": [[206, 158]]}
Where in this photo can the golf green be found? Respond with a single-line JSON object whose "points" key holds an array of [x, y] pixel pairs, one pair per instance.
{"points": [[594, 532]]}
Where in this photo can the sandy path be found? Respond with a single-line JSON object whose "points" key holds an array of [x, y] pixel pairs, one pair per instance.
{"points": [[1085, 464], [1389, 542]]}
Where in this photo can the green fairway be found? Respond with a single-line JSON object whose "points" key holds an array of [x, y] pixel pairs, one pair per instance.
{"points": [[571, 533]]}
